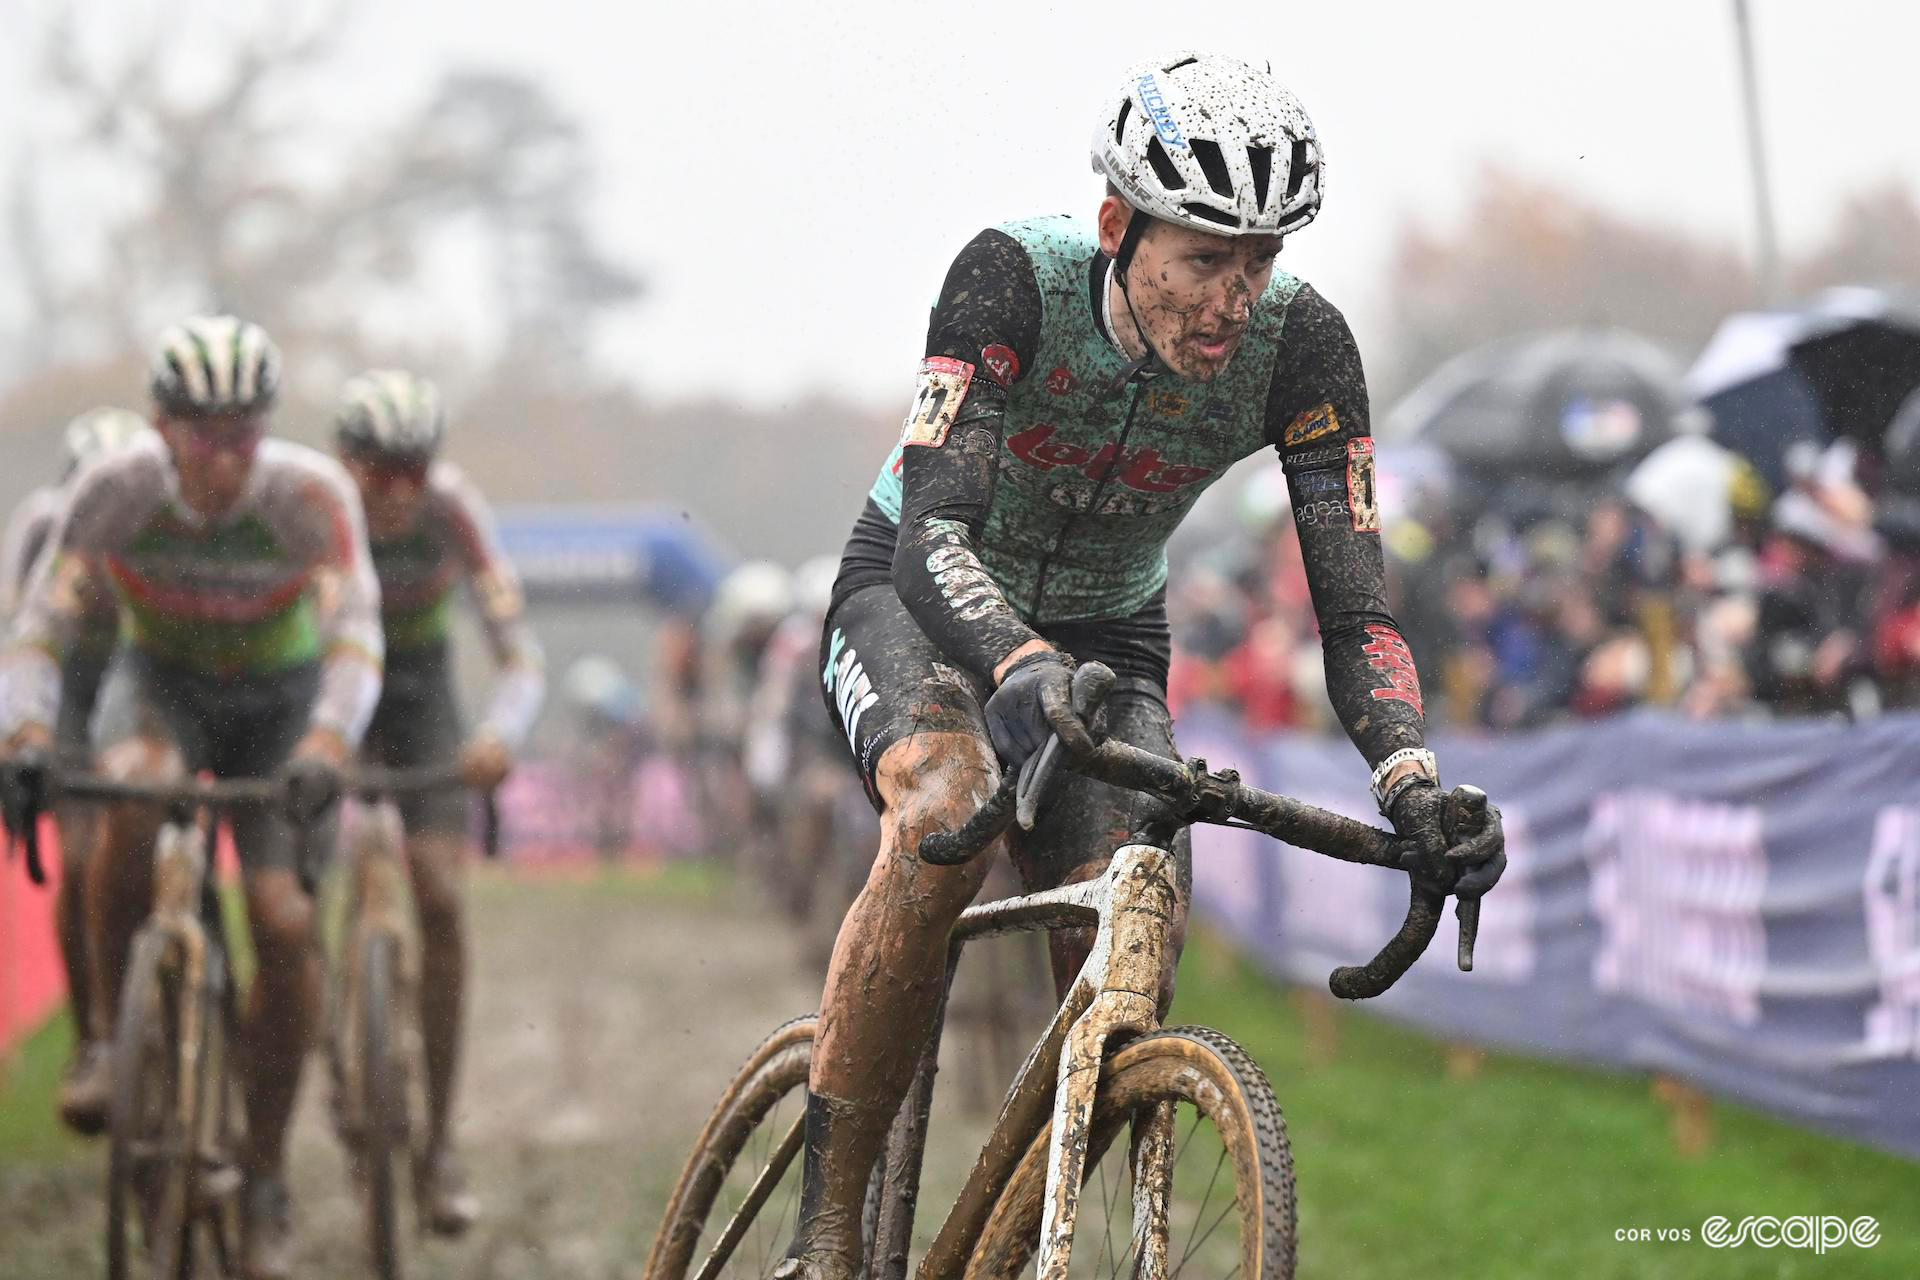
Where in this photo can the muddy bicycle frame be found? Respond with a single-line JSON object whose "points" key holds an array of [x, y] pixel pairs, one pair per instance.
{"points": [[1131, 907]]}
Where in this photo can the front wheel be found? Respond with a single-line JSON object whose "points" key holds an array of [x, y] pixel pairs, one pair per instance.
{"points": [[153, 1119], [738, 1199], [385, 1148], [1188, 1172]]}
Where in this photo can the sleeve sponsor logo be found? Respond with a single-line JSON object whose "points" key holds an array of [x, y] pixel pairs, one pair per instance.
{"points": [[1002, 365], [1314, 460], [1311, 425], [1320, 511], [943, 386], [1362, 496], [1388, 654]]}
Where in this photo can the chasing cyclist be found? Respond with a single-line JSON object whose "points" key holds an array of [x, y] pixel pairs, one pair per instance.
{"points": [[1083, 382], [431, 532], [251, 644], [89, 437]]}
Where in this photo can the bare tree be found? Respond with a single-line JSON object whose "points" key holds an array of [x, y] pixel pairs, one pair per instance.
{"points": [[219, 210]]}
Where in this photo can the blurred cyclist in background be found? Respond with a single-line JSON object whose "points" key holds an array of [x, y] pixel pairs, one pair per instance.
{"points": [[794, 761], [748, 606], [91, 436], [431, 533], [251, 644]]}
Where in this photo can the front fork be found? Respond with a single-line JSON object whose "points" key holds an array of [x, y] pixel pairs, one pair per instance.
{"points": [[1124, 969]]}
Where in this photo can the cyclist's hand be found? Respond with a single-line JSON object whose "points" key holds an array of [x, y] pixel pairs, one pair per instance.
{"points": [[1476, 840], [1416, 816], [1034, 700], [485, 762], [312, 776], [23, 782], [1458, 842], [33, 738]]}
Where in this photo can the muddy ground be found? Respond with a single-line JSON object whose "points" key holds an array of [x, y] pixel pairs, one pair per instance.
{"points": [[608, 1014]]}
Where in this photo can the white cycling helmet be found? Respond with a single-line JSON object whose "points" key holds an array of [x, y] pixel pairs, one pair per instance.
{"points": [[813, 584], [757, 592], [1211, 143], [99, 432], [390, 413], [214, 365]]}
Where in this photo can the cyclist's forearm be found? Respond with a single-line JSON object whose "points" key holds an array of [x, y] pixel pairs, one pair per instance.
{"points": [[29, 690], [349, 690], [953, 598], [519, 690], [1372, 685]]}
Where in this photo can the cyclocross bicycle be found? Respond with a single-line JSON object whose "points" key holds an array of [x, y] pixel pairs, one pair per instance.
{"points": [[175, 1120], [1122, 1148], [374, 1039]]}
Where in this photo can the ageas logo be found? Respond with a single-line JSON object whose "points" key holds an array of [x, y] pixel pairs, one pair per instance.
{"points": [[1061, 381]]}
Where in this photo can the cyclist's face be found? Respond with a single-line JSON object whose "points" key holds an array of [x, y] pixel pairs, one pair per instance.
{"points": [[392, 492], [1192, 292], [213, 456]]}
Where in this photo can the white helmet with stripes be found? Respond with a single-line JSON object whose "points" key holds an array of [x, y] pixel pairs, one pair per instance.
{"points": [[1211, 143], [208, 365], [389, 413], [99, 432]]}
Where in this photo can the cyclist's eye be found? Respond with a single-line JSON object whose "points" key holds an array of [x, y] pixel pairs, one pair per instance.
{"points": [[1204, 260]]}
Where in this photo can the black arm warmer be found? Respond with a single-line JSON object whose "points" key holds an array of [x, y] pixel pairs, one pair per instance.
{"points": [[936, 568], [1315, 407], [988, 300]]}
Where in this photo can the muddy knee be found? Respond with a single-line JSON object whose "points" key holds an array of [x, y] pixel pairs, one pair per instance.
{"points": [[433, 861], [281, 916], [930, 783]]}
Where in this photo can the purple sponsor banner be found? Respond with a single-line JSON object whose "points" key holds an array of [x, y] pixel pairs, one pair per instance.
{"points": [[1736, 904]]}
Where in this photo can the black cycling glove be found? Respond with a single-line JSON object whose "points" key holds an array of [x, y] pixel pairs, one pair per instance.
{"points": [[1034, 702]]}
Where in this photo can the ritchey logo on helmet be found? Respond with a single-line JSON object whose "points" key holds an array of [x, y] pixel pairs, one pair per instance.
{"points": [[1212, 143], [1156, 109]]}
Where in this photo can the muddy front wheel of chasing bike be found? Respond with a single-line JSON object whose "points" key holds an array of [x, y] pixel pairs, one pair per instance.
{"points": [[385, 1149], [737, 1202], [152, 1121], [1186, 1117]]}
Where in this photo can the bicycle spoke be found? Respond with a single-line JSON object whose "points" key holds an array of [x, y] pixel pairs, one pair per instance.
{"points": [[1182, 1149], [1106, 1235], [1195, 1246]]}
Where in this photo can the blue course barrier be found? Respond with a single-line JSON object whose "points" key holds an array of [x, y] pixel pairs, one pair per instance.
{"points": [[1736, 905]]}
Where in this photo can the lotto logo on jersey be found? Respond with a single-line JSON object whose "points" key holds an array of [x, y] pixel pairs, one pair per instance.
{"points": [[1143, 470]]}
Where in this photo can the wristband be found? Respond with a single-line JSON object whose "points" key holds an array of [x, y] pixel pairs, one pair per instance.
{"points": [[1429, 771]]}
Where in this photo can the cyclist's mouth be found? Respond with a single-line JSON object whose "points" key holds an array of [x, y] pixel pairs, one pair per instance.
{"points": [[1213, 347]]}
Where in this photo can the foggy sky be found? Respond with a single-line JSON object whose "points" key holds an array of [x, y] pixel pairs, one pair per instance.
{"points": [[793, 179]]}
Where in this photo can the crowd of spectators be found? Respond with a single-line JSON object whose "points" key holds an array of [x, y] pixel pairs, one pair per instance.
{"points": [[1535, 603]]}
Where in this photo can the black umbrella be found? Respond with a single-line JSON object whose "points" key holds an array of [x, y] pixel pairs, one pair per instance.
{"points": [[1569, 403], [1841, 366]]}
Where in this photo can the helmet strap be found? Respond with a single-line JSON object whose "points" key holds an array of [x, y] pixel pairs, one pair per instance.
{"points": [[1137, 223]]}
